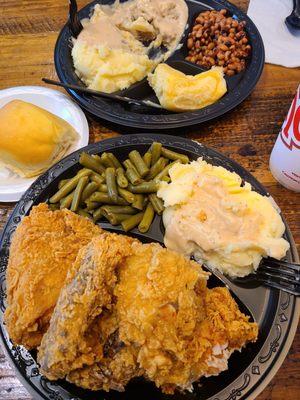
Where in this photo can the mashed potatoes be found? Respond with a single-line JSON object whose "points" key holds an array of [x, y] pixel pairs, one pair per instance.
{"points": [[110, 53], [106, 58], [223, 224]]}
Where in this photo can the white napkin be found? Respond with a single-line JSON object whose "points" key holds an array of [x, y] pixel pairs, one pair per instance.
{"points": [[281, 46]]}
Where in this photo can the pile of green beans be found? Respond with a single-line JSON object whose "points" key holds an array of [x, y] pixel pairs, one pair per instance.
{"points": [[124, 193]]}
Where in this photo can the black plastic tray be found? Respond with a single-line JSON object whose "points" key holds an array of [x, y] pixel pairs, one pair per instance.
{"points": [[276, 312], [239, 86]]}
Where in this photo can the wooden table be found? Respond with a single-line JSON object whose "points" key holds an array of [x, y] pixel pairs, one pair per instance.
{"points": [[28, 31]]}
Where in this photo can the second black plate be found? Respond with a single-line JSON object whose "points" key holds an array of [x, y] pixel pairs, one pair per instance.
{"points": [[239, 86], [276, 312]]}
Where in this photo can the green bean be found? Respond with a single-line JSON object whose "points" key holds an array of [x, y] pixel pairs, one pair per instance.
{"points": [[139, 202], [133, 177], [110, 174], [120, 209], [89, 162], [62, 183], [157, 168], [97, 178], [114, 160], [66, 201], [83, 172], [145, 201], [157, 203], [128, 196], [147, 158], [53, 207], [92, 205], [148, 216], [88, 190], [155, 150], [103, 198], [114, 219], [97, 214], [96, 157], [121, 178], [128, 164], [139, 163], [78, 193], [132, 221], [172, 155], [165, 171], [103, 188], [166, 179], [106, 161], [68, 187], [145, 187], [84, 213]]}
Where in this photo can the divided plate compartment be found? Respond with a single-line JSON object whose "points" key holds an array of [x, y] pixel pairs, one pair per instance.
{"points": [[273, 310], [239, 86]]}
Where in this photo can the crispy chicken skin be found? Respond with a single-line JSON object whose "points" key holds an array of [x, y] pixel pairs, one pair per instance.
{"points": [[42, 251], [177, 323], [131, 309], [81, 343]]}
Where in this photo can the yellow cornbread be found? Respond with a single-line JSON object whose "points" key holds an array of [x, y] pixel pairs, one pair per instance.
{"points": [[31, 138], [179, 92]]}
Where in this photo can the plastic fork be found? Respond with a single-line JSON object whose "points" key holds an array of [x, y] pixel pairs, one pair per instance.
{"points": [[112, 96], [74, 23], [279, 274]]}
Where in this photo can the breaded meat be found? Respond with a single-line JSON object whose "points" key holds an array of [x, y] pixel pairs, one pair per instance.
{"points": [[140, 310], [44, 247], [82, 341]]}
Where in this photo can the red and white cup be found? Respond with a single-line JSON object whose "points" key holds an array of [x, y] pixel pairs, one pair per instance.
{"points": [[285, 156]]}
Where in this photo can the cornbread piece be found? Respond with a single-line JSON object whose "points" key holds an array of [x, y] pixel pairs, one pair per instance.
{"points": [[179, 92]]}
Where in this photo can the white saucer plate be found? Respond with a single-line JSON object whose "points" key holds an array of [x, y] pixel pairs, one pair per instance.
{"points": [[13, 186]]}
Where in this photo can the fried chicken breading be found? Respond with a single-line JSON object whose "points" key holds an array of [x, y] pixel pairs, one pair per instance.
{"points": [[178, 324], [145, 312], [43, 249], [78, 344]]}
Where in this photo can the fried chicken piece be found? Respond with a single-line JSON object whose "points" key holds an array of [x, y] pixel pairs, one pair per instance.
{"points": [[42, 251], [183, 330], [81, 343], [144, 312]]}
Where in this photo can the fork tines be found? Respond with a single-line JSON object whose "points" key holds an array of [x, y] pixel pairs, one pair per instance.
{"points": [[281, 275]]}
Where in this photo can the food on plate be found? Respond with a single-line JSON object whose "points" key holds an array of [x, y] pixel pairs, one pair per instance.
{"points": [[219, 40], [42, 251], [84, 326], [112, 51], [177, 324], [121, 192], [131, 310], [32, 139], [212, 214], [179, 92]]}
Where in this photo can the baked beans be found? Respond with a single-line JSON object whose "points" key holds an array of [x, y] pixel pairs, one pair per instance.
{"points": [[218, 40]]}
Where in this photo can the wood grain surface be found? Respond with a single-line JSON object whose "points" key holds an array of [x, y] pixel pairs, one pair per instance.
{"points": [[28, 31]]}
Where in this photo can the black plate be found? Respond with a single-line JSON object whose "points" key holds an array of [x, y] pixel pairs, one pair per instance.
{"points": [[276, 312], [239, 86]]}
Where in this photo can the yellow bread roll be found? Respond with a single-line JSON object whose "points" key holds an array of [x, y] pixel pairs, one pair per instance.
{"points": [[179, 92], [31, 138]]}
